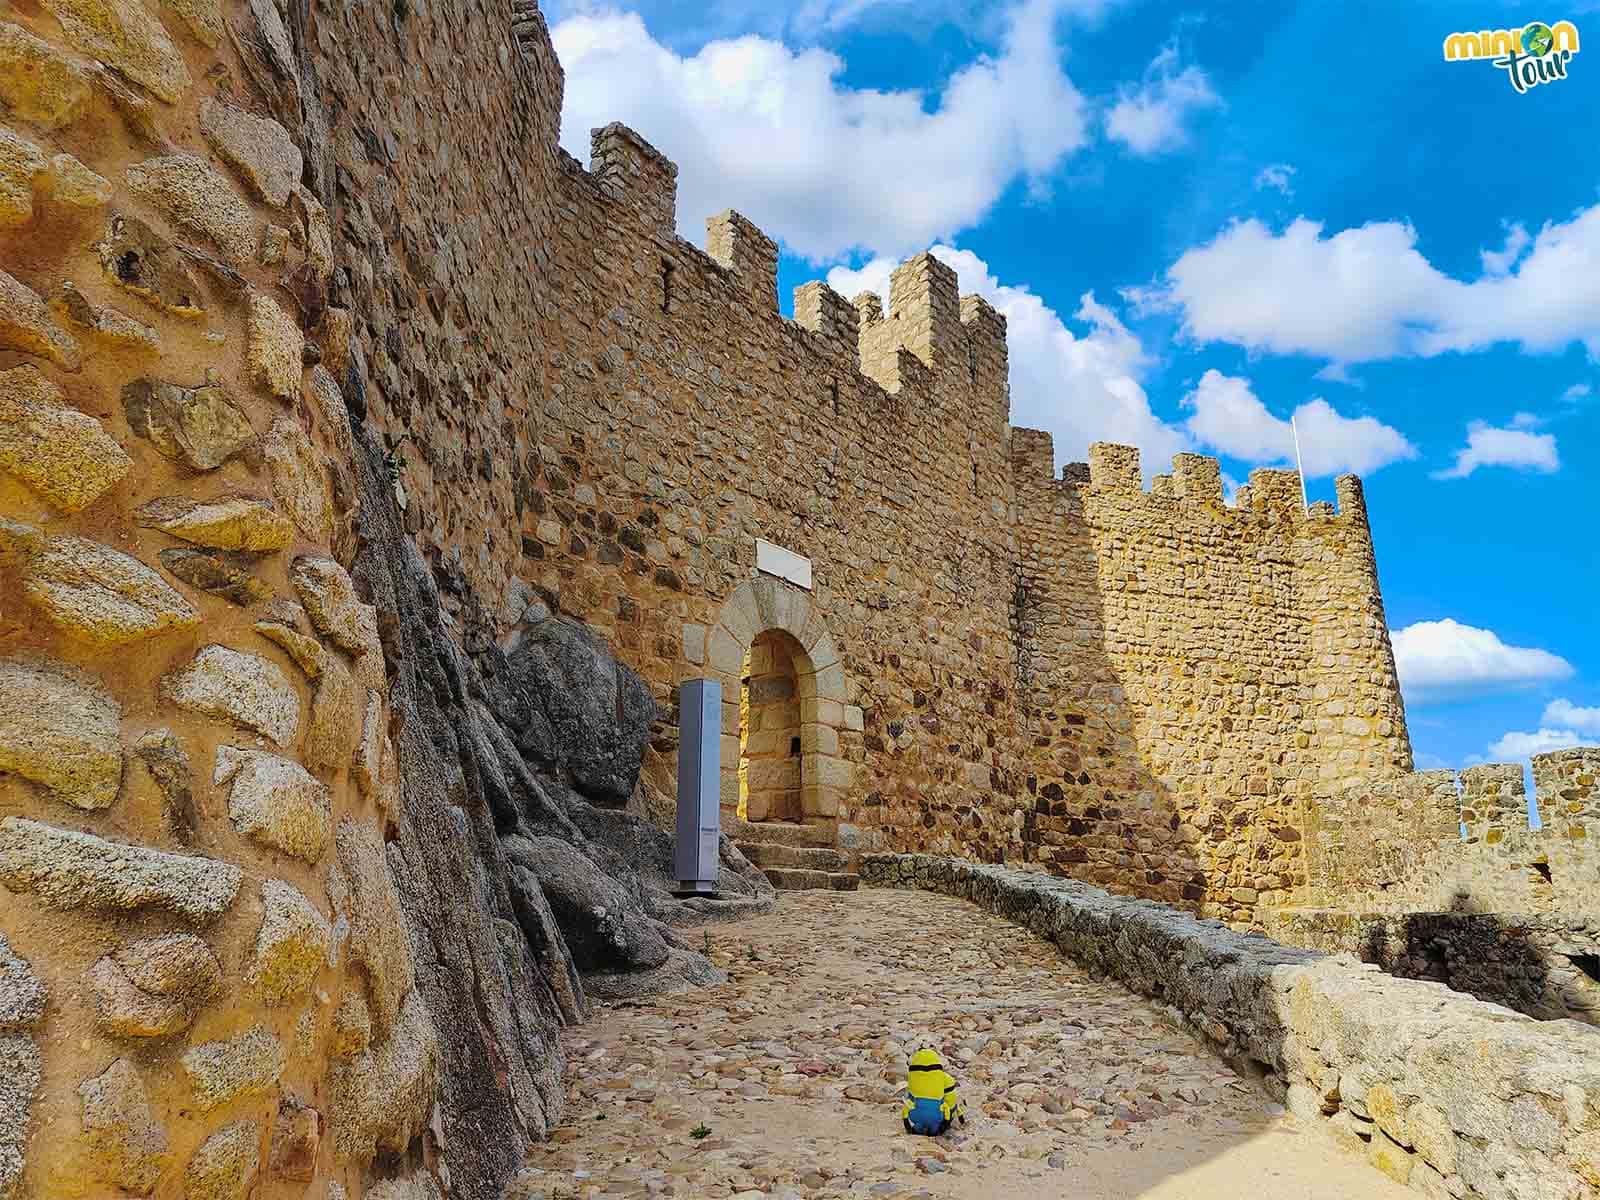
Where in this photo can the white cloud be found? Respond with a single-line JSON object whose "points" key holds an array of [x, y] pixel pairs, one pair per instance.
{"points": [[1231, 419], [1500, 262], [773, 132], [1440, 661], [1490, 447], [1525, 745], [1368, 293], [1083, 386], [1526, 420], [1148, 118], [1567, 715], [1277, 175], [1578, 391]]}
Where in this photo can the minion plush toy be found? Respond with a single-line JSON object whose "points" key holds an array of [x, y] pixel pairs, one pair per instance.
{"points": [[933, 1104]]}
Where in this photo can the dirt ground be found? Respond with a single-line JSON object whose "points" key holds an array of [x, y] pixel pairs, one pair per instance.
{"points": [[785, 1082]]}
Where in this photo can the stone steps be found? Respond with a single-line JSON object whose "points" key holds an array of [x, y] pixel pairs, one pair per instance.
{"points": [[811, 858], [779, 833], [794, 879]]}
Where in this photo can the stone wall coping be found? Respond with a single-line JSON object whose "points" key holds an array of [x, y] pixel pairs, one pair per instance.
{"points": [[1449, 1094]]}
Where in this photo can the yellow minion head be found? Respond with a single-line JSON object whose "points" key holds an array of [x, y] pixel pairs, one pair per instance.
{"points": [[926, 1059]]}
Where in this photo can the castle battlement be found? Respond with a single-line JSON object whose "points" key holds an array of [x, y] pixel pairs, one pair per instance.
{"points": [[1115, 470]]}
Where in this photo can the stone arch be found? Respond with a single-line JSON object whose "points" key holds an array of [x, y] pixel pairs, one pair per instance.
{"points": [[758, 606]]}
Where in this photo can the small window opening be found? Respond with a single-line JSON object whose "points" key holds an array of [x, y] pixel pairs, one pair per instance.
{"points": [[972, 361], [794, 746], [974, 478], [1543, 871], [666, 287], [1589, 964], [833, 395]]}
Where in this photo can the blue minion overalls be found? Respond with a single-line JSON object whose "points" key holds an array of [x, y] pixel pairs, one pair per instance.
{"points": [[933, 1103]]}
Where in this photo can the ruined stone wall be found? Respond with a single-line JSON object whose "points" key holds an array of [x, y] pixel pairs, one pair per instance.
{"points": [[206, 982], [1438, 876], [1436, 841], [1193, 672]]}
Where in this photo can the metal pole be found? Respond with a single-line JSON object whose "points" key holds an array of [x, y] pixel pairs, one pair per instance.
{"points": [[1305, 504]]}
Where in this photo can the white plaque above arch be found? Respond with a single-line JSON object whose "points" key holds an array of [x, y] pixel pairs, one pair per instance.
{"points": [[785, 564]]}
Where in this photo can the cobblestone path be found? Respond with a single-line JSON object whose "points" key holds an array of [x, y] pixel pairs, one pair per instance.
{"points": [[783, 1083]]}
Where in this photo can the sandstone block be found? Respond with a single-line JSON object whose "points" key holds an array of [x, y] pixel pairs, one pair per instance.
{"points": [[38, 83], [200, 427], [22, 996], [104, 324], [200, 201], [324, 587], [292, 945], [124, 1011], [26, 325], [1390, 1158], [60, 729], [92, 592], [123, 34], [1432, 1136], [122, 1137], [296, 1135], [309, 654], [164, 758], [229, 523], [335, 728], [257, 147], [221, 572], [244, 689], [274, 347], [352, 1025], [70, 182], [136, 257], [381, 1098], [276, 801], [204, 18], [245, 1065], [20, 1072], [21, 164], [68, 870], [297, 479], [56, 452], [226, 1165], [156, 987], [331, 408], [363, 891]]}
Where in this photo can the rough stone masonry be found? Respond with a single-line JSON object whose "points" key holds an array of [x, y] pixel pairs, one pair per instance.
{"points": [[371, 472]]}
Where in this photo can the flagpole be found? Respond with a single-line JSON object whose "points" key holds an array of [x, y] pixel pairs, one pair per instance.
{"points": [[1305, 503]]}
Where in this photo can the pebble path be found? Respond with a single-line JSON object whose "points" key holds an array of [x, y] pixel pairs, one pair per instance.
{"points": [[785, 1082]]}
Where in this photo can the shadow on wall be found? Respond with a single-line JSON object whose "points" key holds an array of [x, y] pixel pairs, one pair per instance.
{"points": [[1098, 814], [1543, 967]]}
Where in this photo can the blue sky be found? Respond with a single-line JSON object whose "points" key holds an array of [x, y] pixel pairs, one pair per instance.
{"points": [[1200, 220]]}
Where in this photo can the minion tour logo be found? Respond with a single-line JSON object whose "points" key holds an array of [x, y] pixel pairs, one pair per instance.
{"points": [[1534, 54]]}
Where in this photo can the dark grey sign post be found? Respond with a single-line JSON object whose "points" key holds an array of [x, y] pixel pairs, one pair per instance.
{"points": [[699, 786]]}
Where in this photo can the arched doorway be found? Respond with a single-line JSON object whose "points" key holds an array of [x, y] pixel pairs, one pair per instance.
{"points": [[770, 728], [781, 757]]}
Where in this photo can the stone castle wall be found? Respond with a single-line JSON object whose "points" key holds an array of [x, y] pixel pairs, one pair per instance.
{"points": [[202, 955], [1194, 672], [580, 399], [249, 250]]}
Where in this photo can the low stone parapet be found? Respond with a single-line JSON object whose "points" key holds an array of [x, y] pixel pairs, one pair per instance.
{"points": [[1448, 1094]]}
